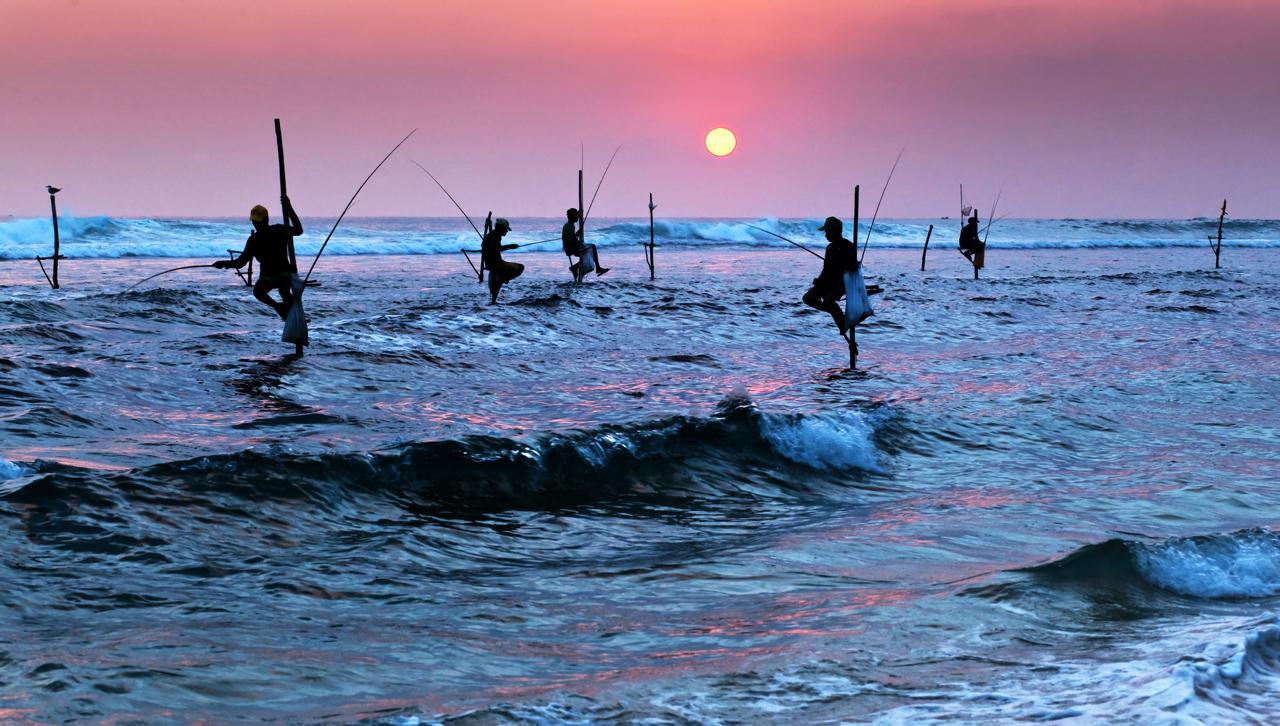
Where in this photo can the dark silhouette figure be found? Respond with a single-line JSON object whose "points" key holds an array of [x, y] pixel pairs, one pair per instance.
{"points": [[500, 271], [269, 245], [571, 237], [970, 243], [828, 286]]}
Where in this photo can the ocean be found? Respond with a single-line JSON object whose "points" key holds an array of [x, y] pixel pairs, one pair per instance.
{"points": [[1049, 493]]}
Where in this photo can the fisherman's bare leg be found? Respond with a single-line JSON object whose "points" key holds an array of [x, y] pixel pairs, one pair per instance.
{"points": [[595, 255], [260, 290], [815, 299]]}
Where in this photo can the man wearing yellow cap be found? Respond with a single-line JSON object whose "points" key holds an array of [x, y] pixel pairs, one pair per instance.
{"points": [[270, 245]]}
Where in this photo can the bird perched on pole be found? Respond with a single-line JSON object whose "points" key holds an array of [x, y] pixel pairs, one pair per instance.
{"points": [[52, 189]]}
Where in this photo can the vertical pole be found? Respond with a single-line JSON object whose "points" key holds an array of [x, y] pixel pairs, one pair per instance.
{"points": [[853, 337], [293, 258], [926, 247], [855, 215], [582, 229], [53, 205], [1217, 250], [651, 247]]}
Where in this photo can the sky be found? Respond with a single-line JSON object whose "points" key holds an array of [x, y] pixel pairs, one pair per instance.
{"points": [[1075, 108]]}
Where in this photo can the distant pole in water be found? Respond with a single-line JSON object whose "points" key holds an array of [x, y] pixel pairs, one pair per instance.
{"points": [[925, 253], [856, 189], [1217, 247], [582, 213], [649, 257], [57, 245]]}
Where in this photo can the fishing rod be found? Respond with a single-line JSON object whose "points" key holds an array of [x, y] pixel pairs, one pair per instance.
{"points": [[784, 239], [527, 244], [353, 201], [587, 213], [991, 218], [872, 228], [450, 196], [184, 267]]}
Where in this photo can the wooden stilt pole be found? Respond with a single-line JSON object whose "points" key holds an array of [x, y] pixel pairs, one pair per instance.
{"points": [[1217, 249], [57, 246], [650, 259], [853, 336], [284, 192], [925, 253], [582, 227]]}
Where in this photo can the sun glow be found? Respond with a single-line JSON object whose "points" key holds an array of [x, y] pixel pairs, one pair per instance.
{"points": [[721, 141]]}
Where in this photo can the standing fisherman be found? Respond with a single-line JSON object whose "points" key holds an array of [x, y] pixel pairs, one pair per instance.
{"points": [[270, 245], [571, 238], [500, 271], [828, 286]]}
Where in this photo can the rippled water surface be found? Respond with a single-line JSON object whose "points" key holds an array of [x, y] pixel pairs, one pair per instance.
{"points": [[1047, 493]]}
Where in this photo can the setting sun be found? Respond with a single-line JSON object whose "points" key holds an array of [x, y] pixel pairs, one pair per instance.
{"points": [[721, 141]]}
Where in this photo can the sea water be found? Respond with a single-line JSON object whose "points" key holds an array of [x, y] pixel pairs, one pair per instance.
{"points": [[1047, 493]]}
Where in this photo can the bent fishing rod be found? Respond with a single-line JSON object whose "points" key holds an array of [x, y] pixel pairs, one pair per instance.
{"points": [[176, 269], [872, 228], [991, 219], [353, 201], [784, 239], [587, 212], [528, 244], [464, 214]]}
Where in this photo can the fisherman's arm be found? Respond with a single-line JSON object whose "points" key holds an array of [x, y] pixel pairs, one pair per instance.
{"points": [[246, 254], [291, 215]]}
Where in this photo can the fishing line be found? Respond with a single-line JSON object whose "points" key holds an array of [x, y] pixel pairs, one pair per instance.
{"points": [[353, 201]]}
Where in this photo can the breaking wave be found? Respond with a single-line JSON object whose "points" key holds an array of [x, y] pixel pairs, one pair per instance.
{"points": [[1244, 564], [736, 449], [99, 236]]}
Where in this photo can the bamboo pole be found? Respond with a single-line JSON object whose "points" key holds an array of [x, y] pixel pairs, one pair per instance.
{"points": [[925, 253], [853, 335], [284, 192], [1217, 249], [650, 259], [57, 251], [582, 229]]}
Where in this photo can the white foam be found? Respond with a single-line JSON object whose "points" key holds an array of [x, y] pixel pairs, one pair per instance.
{"points": [[1244, 564], [10, 470], [823, 441], [99, 236]]}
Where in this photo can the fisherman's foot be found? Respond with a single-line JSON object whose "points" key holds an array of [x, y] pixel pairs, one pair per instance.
{"points": [[601, 270]]}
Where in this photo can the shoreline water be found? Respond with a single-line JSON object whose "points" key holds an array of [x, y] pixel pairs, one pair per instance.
{"points": [[108, 237], [631, 499]]}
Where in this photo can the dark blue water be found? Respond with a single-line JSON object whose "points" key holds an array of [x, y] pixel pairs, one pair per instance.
{"points": [[1048, 493]]}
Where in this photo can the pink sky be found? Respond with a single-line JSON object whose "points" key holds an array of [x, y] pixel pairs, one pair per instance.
{"points": [[1125, 108]]}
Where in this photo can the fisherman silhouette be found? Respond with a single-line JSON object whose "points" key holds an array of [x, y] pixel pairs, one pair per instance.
{"points": [[970, 243], [571, 237], [269, 245], [500, 271], [828, 286]]}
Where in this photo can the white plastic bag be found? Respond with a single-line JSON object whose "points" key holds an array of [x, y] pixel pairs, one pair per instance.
{"points": [[295, 323], [857, 305]]}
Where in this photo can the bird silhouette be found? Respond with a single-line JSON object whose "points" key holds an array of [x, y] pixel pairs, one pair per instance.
{"points": [[52, 189]]}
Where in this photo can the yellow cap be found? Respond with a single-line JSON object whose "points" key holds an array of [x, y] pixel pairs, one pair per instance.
{"points": [[258, 213]]}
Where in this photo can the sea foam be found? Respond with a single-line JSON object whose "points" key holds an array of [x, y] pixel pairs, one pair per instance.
{"points": [[1243, 564]]}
